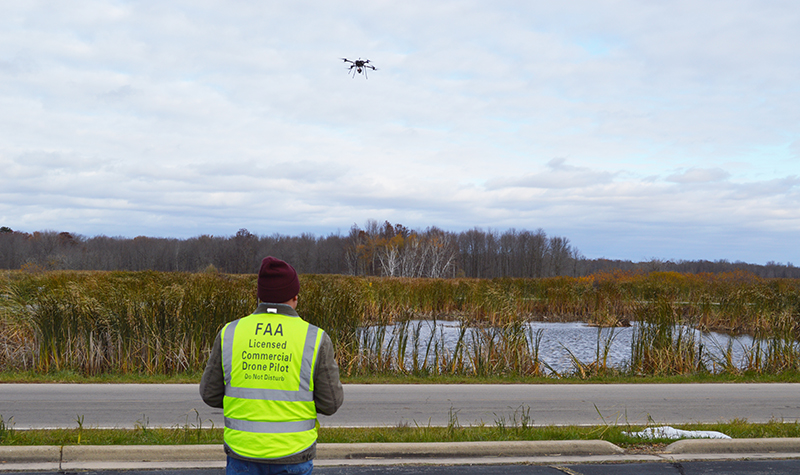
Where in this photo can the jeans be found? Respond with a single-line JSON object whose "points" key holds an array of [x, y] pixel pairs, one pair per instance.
{"points": [[242, 467]]}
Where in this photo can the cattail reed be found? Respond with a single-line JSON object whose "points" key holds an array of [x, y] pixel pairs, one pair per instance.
{"points": [[165, 323]]}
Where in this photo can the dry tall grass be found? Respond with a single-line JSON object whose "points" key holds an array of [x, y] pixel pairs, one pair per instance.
{"points": [[165, 323]]}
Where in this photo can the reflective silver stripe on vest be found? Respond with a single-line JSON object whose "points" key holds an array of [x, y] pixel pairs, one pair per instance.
{"points": [[227, 351], [303, 394], [270, 427], [308, 358]]}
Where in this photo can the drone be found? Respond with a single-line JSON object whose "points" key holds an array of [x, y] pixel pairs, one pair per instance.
{"points": [[359, 66]]}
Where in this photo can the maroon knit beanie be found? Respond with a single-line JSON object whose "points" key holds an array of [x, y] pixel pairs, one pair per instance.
{"points": [[277, 281]]}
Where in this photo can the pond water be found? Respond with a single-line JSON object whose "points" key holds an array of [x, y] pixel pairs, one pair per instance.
{"points": [[558, 340]]}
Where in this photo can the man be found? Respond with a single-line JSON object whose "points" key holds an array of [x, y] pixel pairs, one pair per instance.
{"points": [[272, 372]]}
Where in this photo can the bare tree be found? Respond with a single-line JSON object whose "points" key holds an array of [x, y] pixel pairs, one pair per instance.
{"points": [[439, 252], [559, 252]]}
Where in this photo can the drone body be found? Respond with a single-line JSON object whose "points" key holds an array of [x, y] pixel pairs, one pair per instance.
{"points": [[359, 66]]}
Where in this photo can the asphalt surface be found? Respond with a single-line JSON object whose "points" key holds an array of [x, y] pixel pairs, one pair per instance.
{"points": [[388, 405], [170, 405], [771, 467]]}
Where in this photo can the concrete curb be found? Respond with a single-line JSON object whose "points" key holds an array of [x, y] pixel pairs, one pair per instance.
{"points": [[734, 446], [30, 454], [187, 453], [467, 449], [142, 453], [22, 458]]}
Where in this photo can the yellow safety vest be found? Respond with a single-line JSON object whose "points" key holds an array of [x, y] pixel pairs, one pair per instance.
{"points": [[268, 363]]}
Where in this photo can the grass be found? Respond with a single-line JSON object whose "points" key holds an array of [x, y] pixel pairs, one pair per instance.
{"points": [[194, 378], [516, 430], [509, 427], [71, 376]]}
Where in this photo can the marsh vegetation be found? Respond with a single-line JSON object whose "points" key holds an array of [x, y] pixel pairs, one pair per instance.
{"points": [[164, 323]]}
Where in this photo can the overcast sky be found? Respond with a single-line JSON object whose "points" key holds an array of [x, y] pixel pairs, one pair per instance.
{"points": [[636, 129]]}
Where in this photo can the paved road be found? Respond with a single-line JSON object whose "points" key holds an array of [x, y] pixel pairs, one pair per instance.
{"points": [[169, 405], [772, 467]]}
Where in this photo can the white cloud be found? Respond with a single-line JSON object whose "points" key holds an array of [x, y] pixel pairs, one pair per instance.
{"points": [[181, 118], [557, 175], [699, 175]]}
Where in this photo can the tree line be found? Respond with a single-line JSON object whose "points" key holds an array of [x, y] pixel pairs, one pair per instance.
{"points": [[372, 250]]}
